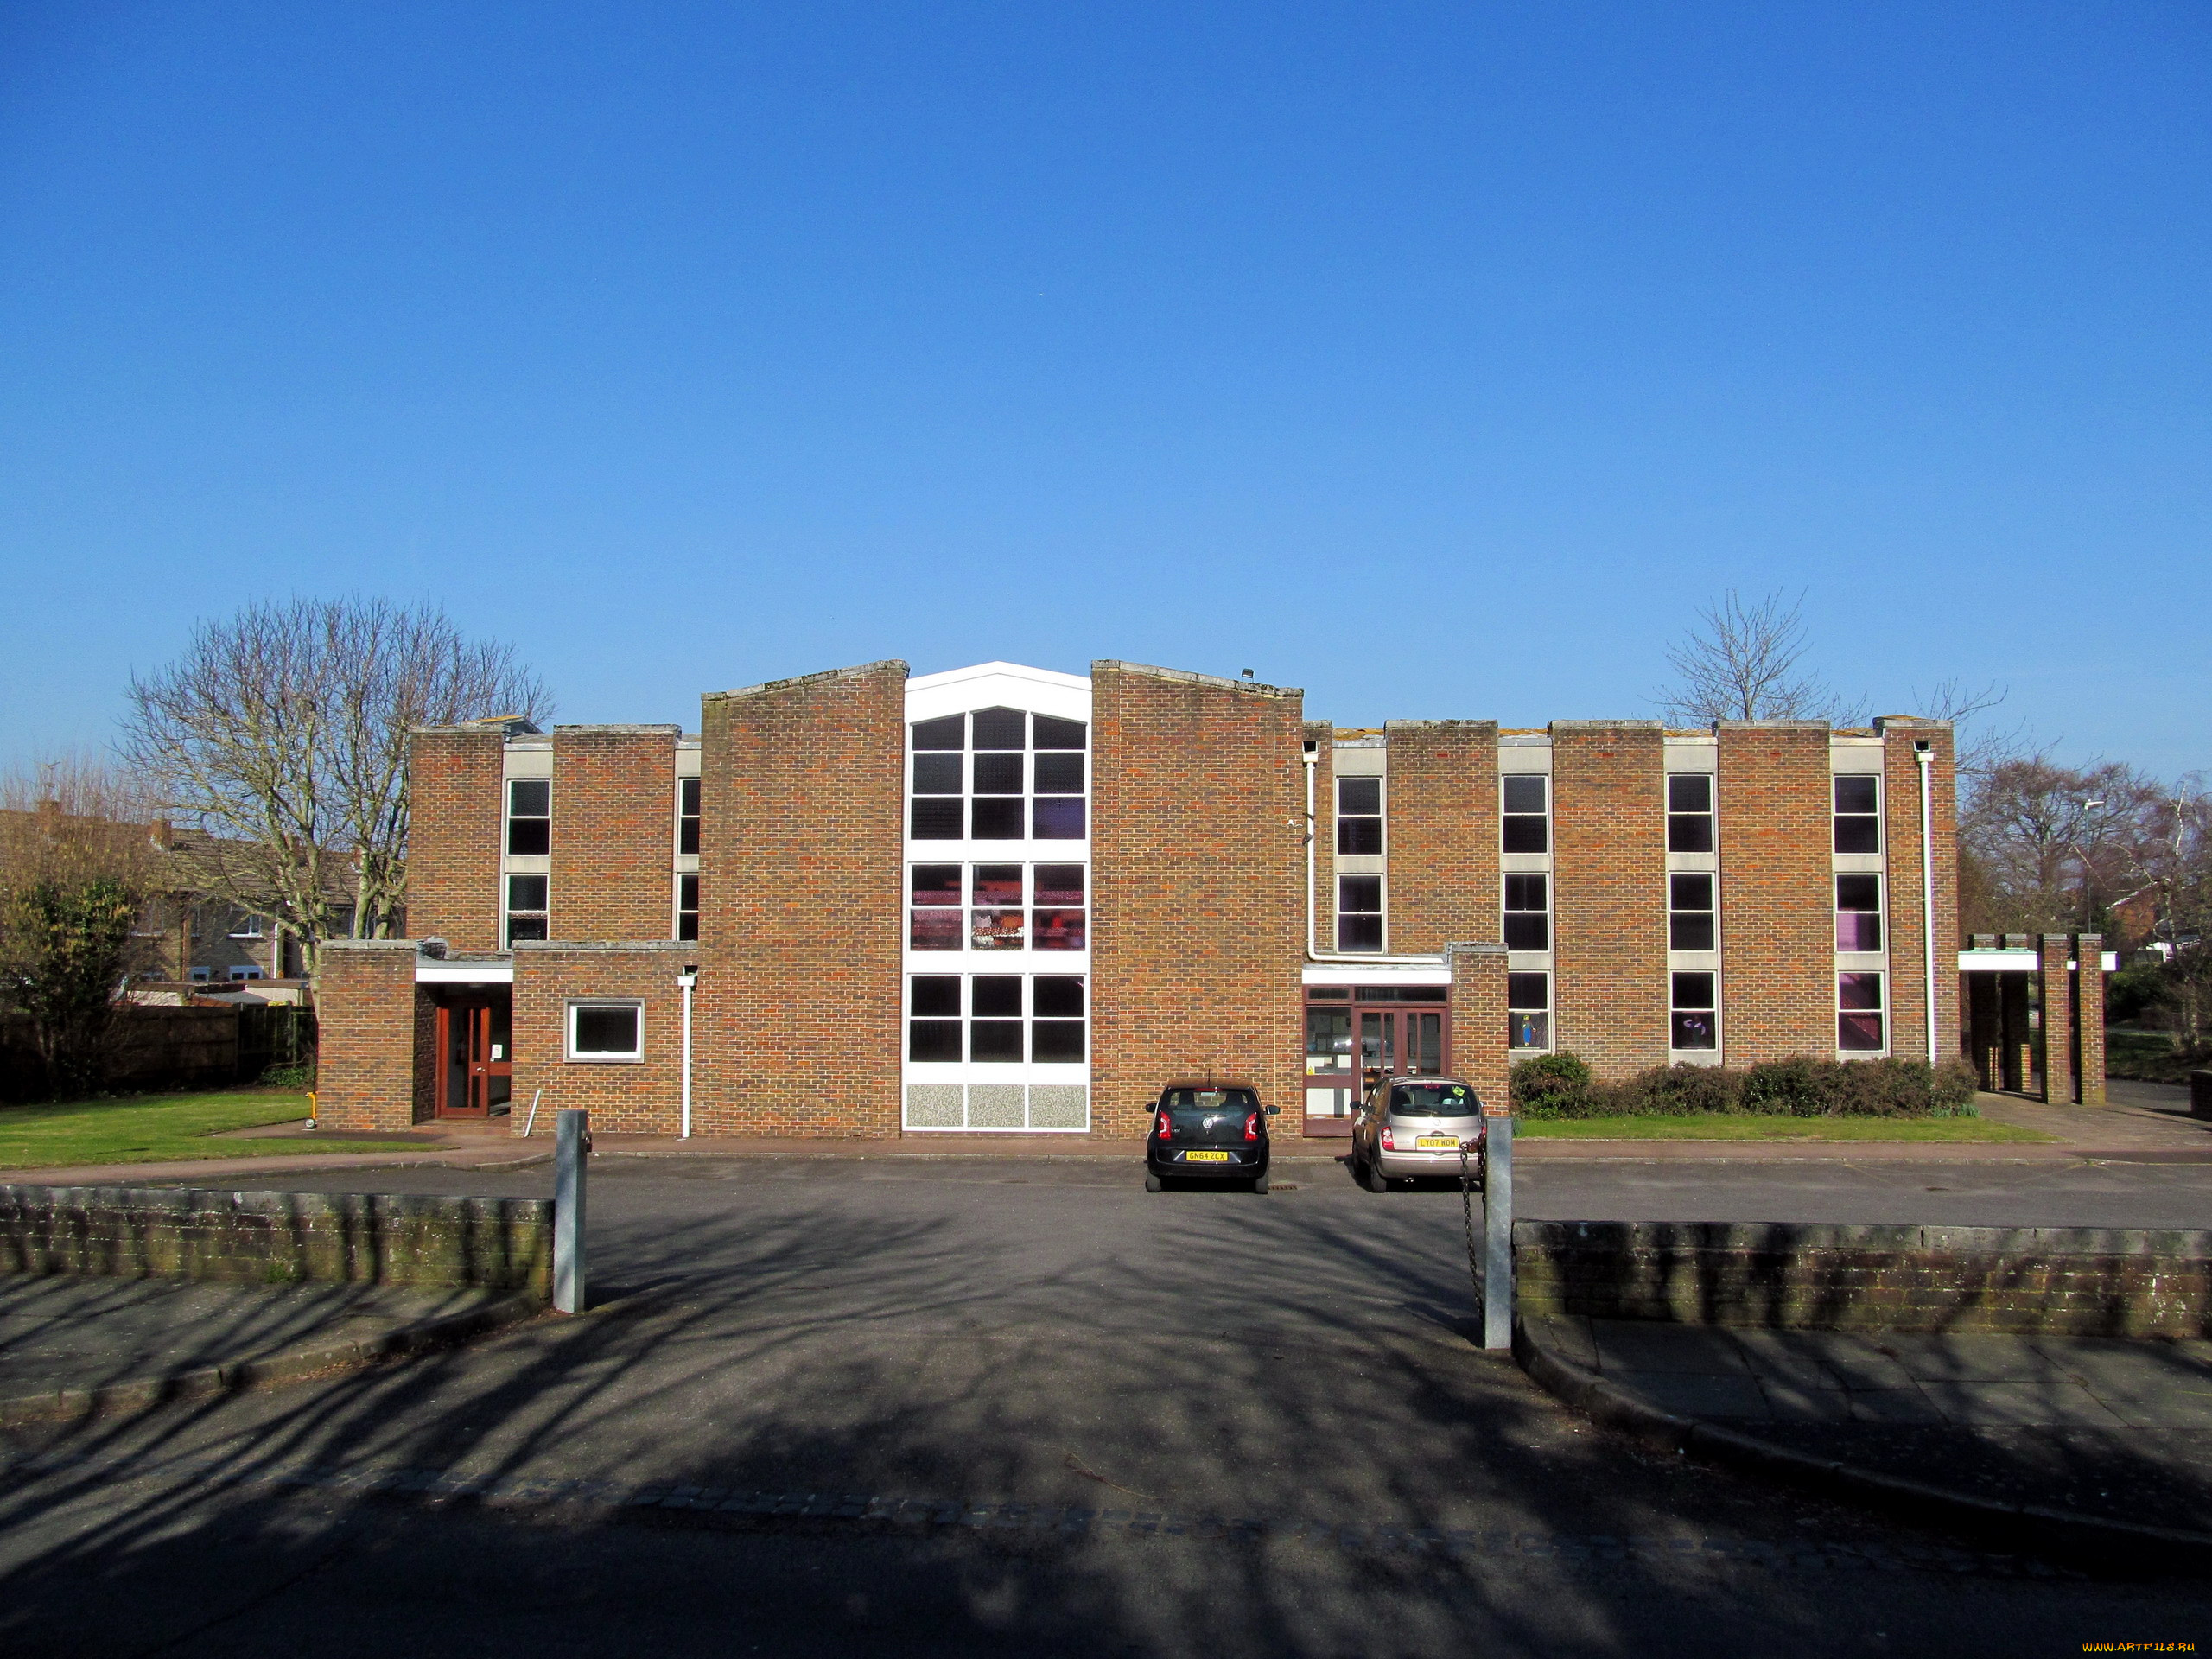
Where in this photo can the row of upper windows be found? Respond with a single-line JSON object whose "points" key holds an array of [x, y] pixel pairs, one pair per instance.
{"points": [[1693, 1011], [1692, 910], [529, 907], [1524, 801], [530, 815]]}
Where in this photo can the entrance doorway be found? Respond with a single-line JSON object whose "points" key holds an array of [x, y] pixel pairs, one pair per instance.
{"points": [[1356, 1033], [475, 1057]]}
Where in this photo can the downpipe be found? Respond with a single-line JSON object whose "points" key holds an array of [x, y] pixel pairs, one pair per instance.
{"points": [[1924, 752]]}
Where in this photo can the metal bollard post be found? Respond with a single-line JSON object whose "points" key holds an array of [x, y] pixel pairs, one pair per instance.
{"points": [[1498, 1235], [571, 1145]]}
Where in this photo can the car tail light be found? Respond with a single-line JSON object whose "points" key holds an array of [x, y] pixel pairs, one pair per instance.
{"points": [[1251, 1125], [1167, 1129], [1389, 1140]]}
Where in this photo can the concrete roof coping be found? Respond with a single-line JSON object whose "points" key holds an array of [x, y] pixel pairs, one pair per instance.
{"points": [[859, 670], [1257, 688], [1883, 723], [1607, 726], [1475, 948], [1771, 726], [623, 728], [1531, 738], [362, 944], [498, 726], [1389, 726], [678, 946]]}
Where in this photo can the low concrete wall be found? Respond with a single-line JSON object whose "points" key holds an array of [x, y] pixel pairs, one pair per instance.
{"points": [[2045, 1281], [279, 1237]]}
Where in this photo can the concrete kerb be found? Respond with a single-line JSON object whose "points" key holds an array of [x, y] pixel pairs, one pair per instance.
{"points": [[139, 1393], [2114, 1544]]}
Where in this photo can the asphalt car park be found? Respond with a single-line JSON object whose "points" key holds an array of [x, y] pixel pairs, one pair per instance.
{"points": [[974, 1404]]}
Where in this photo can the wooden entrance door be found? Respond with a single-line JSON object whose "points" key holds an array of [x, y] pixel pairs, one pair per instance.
{"points": [[475, 1057]]}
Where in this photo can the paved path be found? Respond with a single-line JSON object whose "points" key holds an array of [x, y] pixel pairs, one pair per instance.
{"points": [[58, 1330], [1044, 1400], [2120, 1429]]}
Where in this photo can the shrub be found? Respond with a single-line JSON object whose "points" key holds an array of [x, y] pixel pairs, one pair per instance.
{"points": [[1790, 1088], [290, 1077], [1670, 1091], [1551, 1086]]}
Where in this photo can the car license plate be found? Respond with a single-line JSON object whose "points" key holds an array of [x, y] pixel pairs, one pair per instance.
{"points": [[1206, 1157], [1437, 1143]]}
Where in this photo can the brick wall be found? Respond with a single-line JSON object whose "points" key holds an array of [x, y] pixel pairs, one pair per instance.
{"points": [[2090, 1019], [2055, 1048], [1479, 1032], [1199, 908], [455, 818], [1777, 935], [613, 832], [1443, 834], [372, 1056], [1609, 861], [280, 1237], [2042, 1280], [1901, 830], [802, 800], [637, 1096]]}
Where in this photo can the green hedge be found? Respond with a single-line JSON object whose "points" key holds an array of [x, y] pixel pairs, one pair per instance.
{"points": [[1559, 1085]]}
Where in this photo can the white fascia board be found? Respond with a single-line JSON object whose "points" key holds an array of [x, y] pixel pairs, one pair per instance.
{"points": [[986, 684], [2020, 962], [428, 972], [1380, 973]]}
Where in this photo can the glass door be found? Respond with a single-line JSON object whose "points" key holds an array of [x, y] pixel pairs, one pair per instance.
{"points": [[475, 1074]]}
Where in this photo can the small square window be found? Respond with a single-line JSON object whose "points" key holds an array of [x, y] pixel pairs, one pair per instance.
{"points": [[1059, 884], [606, 1031], [997, 818], [1859, 990], [1055, 1042], [997, 930], [1524, 791], [936, 1041], [526, 892], [997, 884], [995, 996], [934, 930], [936, 884], [1689, 792], [994, 1040], [1056, 929], [526, 927]]}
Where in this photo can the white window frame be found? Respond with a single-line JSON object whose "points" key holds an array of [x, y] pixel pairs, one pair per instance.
{"points": [[248, 926], [577, 1005]]}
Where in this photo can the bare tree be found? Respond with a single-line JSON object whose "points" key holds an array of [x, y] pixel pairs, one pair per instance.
{"points": [[2171, 853], [2045, 846], [1743, 664], [282, 732], [77, 866]]}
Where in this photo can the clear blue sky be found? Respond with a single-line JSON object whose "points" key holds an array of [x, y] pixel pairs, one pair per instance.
{"points": [[1439, 359]]}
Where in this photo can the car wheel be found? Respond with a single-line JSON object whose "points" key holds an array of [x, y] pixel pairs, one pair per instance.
{"points": [[1151, 1182], [1376, 1180], [1260, 1185]]}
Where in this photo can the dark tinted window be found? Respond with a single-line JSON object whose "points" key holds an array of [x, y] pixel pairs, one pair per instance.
{"points": [[530, 834], [936, 994], [1056, 1041], [1857, 794], [998, 884], [1059, 734], [998, 774], [933, 1039], [1060, 884], [995, 1039], [1528, 991], [997, 817], [526, 927], [1359, 795], [530, 797], [606, 1031], [1359, 835], [996, 995], [1060, 774], [1058, 996], [1524, 792], [1852, 892], [951, 732], [526, 892], [1060, 817], [937, 774], [937, 884], [938, 819], [1001, 728]]}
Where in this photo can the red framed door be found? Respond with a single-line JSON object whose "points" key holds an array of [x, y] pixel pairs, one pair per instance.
{"points": [[475, 1058], [1401, 1042]]}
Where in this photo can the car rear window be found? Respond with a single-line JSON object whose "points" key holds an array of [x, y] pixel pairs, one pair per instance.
{"points": [[1433, 1100], [1210, 1100]]}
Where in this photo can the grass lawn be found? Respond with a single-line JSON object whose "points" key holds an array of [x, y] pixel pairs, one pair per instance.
{"points": [[2150, 1055], [155, 1128], [1712, 1126]]}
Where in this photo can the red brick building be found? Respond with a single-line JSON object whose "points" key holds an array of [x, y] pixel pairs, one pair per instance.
{"points": [[1002, 899]]}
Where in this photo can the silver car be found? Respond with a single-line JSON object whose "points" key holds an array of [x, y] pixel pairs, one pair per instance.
{"points": [[1416, 1126]]}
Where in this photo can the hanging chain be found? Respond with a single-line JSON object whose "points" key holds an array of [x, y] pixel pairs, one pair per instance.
{"points": [[1467, 1215]]}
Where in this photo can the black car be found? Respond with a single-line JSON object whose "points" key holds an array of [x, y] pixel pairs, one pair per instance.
{"points": [[1208, 1130]]}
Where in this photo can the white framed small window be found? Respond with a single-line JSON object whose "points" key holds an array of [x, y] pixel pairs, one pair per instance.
{"points": [[245, 925], [606, 1031]]}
